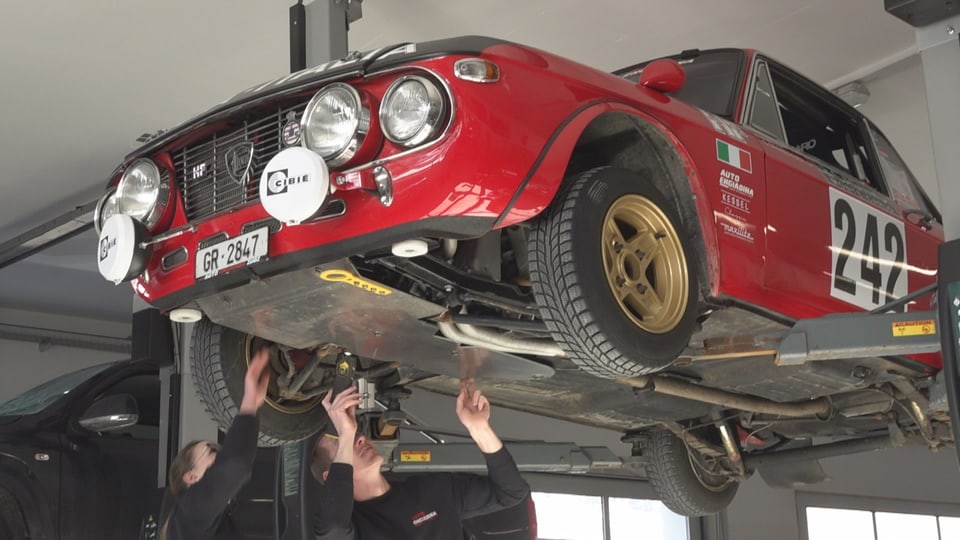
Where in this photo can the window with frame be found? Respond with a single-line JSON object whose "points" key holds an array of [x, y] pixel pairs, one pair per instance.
{"points": [[587, 517], [828, 517], [764, 113], [902, 185], [815, 124]]}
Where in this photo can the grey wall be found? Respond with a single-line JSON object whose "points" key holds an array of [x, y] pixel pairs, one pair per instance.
{"points": [[24, 365]]}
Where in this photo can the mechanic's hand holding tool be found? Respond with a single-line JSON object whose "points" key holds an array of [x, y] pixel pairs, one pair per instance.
{"points": [[255, 382], [473, 410], [341, 408]]}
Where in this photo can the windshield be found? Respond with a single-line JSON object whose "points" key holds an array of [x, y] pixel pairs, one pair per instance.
{"points": [[711, 80], [40, 397]]}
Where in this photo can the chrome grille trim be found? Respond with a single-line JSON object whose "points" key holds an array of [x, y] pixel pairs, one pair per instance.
{"points": [[201, 171]]}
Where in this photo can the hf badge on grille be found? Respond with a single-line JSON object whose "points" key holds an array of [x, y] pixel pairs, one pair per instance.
{"points": [[238, 160]]}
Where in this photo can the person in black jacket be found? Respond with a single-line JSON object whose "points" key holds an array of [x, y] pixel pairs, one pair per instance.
{"points": [[359, 502], [205, 477]]}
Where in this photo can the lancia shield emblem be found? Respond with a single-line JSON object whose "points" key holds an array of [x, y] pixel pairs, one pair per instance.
{"points": [[238, 160]]}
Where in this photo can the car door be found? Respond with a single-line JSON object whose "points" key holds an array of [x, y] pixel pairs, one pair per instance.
{"points": [[834, 241], [109, 480], [922, 221]]}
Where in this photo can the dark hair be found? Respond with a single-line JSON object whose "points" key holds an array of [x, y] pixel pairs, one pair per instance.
{"points": [[175, 484], [321, 460]]}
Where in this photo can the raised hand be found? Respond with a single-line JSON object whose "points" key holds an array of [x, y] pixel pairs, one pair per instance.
{"points": [[341, 410], [255, 382], [473, 410]]}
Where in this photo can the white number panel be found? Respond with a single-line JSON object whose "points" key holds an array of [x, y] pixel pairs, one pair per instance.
{"points": [[868, 251]]}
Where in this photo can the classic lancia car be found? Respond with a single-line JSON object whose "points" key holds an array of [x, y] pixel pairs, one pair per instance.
{"points": [[617, 250]]}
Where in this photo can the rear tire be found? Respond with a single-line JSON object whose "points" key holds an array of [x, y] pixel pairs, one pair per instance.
{"points": [[219, 357], [614, 274], [682, 488]]}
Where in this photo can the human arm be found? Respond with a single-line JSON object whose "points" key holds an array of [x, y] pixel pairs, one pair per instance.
{"points": [[203, 503], [473, 410], [333, 520], [503, 486]]}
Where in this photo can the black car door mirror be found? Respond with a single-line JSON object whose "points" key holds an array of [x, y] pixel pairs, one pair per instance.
{"points": [[111, 413]]}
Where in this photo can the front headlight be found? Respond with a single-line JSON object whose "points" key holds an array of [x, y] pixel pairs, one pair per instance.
{"points": [[412, 110], [335, 123], [107, 207], [139, 192]]}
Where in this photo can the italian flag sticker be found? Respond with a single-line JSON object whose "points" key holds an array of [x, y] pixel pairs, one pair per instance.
{"points": [[734, 156]]}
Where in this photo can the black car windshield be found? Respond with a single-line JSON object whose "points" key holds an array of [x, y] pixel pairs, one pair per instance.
{"points": [[40, 397], [711, 79]]}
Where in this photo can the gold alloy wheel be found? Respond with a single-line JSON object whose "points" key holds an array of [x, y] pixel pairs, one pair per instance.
{"points": [[644, 263], [286, 406]]}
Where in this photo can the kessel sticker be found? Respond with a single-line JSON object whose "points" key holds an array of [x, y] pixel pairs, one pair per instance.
{"points": [[295, 185]]}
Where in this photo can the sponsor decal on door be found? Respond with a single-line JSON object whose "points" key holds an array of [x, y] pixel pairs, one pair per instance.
{"points": [[868, 253]]}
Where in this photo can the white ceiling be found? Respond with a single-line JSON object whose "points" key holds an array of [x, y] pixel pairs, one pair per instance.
{"points": [[82, 79]]}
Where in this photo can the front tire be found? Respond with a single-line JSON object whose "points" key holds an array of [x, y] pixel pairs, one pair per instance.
{"points": [[614, 274], [219, 357]]}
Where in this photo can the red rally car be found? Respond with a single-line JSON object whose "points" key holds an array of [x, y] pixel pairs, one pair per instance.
{"points": [[616, 250]]}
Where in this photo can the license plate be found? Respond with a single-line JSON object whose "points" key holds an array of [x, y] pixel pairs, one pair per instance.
{"points": [[238, 251]]}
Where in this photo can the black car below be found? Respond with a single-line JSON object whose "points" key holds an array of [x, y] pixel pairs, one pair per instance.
{"points": [[79, 454]]}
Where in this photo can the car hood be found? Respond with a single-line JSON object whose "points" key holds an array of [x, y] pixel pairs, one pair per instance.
{"points": [[353, 65]]}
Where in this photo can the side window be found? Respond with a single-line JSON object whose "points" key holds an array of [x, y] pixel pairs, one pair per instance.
{"points": [[815, 125], [901, 182], [764, 113], [145, 389]]}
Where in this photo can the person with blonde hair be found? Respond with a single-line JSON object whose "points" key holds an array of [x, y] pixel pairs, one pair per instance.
{"points": [[205, 477]]}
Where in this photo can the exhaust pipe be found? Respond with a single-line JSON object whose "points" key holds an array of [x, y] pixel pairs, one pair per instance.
{"points": [[819, 408], [493, 340]]}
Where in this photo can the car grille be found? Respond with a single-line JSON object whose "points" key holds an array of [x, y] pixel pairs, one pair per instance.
{"points": [[202, 168]]}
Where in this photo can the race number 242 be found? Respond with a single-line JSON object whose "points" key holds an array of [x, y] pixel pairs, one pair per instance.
{"points": [[868, 251]]}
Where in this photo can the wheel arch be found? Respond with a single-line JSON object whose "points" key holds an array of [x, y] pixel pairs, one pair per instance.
{"points": [[612, 134]]}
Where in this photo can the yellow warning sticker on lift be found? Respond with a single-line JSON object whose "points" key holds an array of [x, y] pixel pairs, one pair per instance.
{"points": [[357, 281], [414, 456], [914, 328]]}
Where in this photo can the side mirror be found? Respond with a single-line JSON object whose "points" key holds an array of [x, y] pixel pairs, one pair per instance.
{"points": [[664, 75], [111, 413]]}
